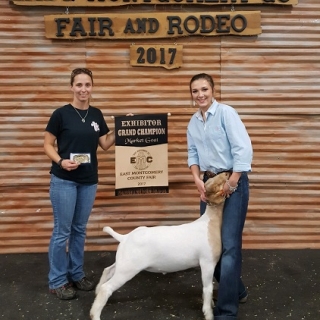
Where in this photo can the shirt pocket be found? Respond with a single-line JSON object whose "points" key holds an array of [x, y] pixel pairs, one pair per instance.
{"points": [[215, 132]]}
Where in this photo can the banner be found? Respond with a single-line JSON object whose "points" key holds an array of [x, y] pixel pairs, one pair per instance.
{"points": [[141, 154]]}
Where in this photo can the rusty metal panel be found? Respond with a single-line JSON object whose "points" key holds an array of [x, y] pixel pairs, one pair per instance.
{"points": [[272, 80]]}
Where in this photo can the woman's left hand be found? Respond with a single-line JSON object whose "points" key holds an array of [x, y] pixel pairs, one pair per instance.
{"points": [[230, 187]]}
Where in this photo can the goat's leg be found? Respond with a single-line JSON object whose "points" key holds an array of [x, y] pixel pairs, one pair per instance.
{"points": [[100, 301], [107, 274], [120, 277], [207, 270]]}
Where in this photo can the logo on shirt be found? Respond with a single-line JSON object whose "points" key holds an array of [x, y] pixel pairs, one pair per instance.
{"points": [[95, 126]]}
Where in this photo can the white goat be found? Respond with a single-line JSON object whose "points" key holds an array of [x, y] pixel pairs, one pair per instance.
{"points": [[164, 249]]}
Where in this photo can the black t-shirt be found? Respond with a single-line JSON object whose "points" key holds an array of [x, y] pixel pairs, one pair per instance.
{"points": [[77, 137]]}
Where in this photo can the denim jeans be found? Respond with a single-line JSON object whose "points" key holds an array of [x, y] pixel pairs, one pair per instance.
{"points": [[228, 269], [72, 204]]}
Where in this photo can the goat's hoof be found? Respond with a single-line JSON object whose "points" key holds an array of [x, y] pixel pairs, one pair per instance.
{"points": [[93, 317]]}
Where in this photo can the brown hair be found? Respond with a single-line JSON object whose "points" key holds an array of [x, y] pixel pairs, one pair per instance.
{"points": [[202, 76], [77, 71]]}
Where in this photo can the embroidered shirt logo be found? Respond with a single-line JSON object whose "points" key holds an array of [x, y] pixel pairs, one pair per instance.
{"points": [[95, 126]]}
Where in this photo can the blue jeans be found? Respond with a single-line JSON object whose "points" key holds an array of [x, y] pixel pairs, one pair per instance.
{"points": [[228, 269], [72, 204]]}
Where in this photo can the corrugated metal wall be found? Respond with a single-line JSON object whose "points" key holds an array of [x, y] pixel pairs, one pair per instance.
{"points": [[272, 80]]}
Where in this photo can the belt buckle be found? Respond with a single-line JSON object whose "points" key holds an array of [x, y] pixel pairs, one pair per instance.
{"points": [[210, 174]]}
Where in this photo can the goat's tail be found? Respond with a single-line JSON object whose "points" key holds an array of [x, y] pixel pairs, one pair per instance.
{"points": [[119, 237]]}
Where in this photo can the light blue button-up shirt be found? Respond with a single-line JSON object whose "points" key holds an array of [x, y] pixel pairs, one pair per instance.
{"points": [[221, 142]]}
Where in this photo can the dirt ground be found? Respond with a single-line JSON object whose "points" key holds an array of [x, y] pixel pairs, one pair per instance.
{"points": [[282, 284]]}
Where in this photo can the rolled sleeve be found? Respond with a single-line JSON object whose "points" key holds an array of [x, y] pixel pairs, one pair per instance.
{"points": [[193, 157]]}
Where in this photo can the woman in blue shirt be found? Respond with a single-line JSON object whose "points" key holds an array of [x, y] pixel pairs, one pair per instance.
{"points": [[218, 141]]}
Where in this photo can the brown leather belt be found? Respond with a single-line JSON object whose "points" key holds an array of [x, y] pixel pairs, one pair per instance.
{"points": [[210, 174]]}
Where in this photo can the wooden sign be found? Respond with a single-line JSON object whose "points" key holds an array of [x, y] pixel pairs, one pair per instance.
{"points": [[117, 3], [165, 56], [150, 25]]}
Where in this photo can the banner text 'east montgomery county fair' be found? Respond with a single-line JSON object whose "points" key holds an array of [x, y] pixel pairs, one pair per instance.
{"points": [[152, 25], [116, 3]]}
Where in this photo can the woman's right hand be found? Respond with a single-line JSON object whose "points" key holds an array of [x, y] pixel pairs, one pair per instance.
{"points": [[69, 165], [201, 189]]}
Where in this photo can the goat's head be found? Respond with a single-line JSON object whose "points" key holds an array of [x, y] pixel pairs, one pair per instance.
{"points": [[214, 188]]}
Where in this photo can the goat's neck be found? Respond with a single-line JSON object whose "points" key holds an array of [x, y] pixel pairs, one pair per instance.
{"points": [[214, 211]]}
